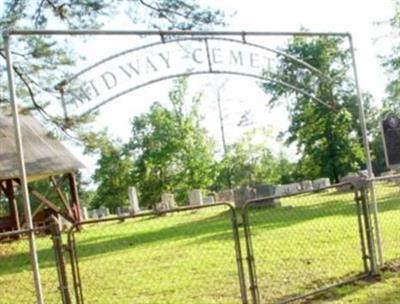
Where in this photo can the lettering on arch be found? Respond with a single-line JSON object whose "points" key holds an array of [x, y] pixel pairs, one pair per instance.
{"points": [[126, 71]]}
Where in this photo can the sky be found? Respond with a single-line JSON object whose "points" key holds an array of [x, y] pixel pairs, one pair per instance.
{"points": [[365, 20]]}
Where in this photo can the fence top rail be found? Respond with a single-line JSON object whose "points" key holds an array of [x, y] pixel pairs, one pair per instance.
{"points": [[22, 231], [148, 213], [29, 32], [384, 178]]}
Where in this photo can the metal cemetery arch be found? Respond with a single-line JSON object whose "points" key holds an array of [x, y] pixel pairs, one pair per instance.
{"points": [[193, 60], [209, 65]]}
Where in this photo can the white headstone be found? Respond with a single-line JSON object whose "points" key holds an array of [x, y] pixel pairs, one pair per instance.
{"points": [[159, 207], [120, 211], [225, 196], [100, 212], [195, 197], [321, 183], [306, 185], [92, 214], [105, 211], [209, 200], [84, 214], [133, 199], [288, 189], [168, 200]]}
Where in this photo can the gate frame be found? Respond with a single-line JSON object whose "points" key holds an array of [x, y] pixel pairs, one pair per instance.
{"points": [[9, 33], [365, 230], [74, 260]]}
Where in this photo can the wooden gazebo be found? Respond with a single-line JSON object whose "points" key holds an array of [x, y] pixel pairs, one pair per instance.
{"points": [[45, 158]]}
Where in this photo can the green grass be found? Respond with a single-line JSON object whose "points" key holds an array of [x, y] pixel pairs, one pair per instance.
{"points": [[311, 241]]}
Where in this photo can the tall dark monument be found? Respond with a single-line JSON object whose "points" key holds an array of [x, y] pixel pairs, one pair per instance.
{"points": [[391, 140]]}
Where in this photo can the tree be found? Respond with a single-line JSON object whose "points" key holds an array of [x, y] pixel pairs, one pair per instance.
{"points": [[327, 139], [249, 162], [172, 151], [391, 103], [37, 56], [113, 170], [392, 65]]}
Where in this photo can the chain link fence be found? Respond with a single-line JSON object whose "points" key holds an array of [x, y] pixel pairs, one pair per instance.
{"points": [[16, 278], [295, 245], [184, 255], [387, 196], [306, 242]]}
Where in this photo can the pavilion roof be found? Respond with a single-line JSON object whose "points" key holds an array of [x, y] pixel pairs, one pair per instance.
{"points": [[44, 155]]}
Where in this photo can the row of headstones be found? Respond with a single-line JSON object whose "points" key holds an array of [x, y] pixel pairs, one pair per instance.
{"points": [[87, 214], [196, 198], [306, 185], [239, 196]]}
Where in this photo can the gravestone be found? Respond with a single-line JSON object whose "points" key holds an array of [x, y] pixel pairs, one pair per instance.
{"points": [[263, 191], [391, 140], [168, 200], [209, 200], [92, 214], [348, 178], [195, 197], [63, 223], [162, 206], [106, 211], [287, 189], [84, 214], [306, 185], [242, 195], [321, 183], [120, 211], [225, 196], [133, 199], [100, 213]]}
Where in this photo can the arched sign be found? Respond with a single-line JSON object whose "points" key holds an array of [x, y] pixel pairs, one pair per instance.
{"points": [[134, 68]]}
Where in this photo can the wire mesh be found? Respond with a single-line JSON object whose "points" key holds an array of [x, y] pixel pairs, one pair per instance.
{"points": [[308, 242], [387, 195], [179, 257], [16, 277]]}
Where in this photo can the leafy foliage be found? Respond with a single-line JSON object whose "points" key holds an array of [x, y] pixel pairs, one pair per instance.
{"points": [[325, 136], [172, 151], [249, 162], [37, 56], [112, 174]]}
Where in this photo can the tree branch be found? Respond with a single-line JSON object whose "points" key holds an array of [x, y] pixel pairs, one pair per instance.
{"points": [[162, 10]]}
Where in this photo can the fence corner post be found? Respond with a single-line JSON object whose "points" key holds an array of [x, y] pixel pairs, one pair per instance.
{"points": [[363, 186], [59, 259]]}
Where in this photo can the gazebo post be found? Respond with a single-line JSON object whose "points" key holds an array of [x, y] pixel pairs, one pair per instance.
{"points": [[12, 202], [75, 204]]}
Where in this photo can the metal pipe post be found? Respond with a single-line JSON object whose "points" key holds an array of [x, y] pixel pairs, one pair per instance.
{"points": [[369, 232], [239, 257], [59, 258], [367, 153], [22, 171]]}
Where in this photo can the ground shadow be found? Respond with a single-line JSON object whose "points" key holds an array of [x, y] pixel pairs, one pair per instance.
{"points": [[216, 227]]}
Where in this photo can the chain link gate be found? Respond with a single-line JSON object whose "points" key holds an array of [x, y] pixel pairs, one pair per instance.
{"points": [[184, 255], [308, 244]]}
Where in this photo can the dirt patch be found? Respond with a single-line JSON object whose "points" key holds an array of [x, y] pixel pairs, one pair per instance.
{"points": [[4, 250], [393, 266]]}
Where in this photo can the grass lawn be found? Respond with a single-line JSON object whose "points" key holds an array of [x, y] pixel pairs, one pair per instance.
{"points": [[383, 289], [188, 257]]}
